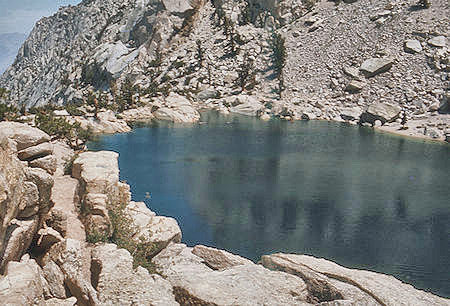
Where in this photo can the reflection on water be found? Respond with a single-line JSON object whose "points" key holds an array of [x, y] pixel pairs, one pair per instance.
{"points": [[363, 199]]}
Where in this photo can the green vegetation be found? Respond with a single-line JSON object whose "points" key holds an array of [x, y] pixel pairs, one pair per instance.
{"points": [[122, 229], [59, 127], [69, 164], [424, 3], [246, 74], [4, 93], [246, 14], [73, 109], [93, 75], [125, 100], [7, 111], [157, 61], [219, 14], [279, 55], [200, 53], [233, 37], [122, 232]]}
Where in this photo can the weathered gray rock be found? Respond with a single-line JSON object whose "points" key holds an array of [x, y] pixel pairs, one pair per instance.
{"points": [[351, 113], [63, 215], [351, 72], [19, 236], [97, 220], [44, 183], [373, 66], [219, 259], [46, 238], [248, 284], [381, 111], [444, 106], [63, 154], [138, 114], [265, 117], [413, 46], [247, 105], [20, 200], [118, 283], [74, 258], [354, 86], [106, 123], [155, 229], [61, 113], [361, 287], [55, 279], [179, 110], [29, 203], [38, 151], [433, 133], [207, 94], [54, 62], [22, 284], [24, 135], [98, 172], [61, 302], [114, 57], [47, 163], [177, 6], [438, 41]]}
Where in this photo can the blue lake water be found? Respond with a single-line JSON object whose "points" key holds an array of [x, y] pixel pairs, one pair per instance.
{"points": [[360, 198]]}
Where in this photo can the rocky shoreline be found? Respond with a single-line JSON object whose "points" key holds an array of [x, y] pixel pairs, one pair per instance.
{"points": [[361, 62], [178, 109], [50, 256]]}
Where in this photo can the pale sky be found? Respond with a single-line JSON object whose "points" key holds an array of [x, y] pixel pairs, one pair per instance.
{"points": [[21, 15]]}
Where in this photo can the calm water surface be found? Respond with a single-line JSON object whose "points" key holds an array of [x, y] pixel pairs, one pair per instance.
{"points": [[360, 198]]}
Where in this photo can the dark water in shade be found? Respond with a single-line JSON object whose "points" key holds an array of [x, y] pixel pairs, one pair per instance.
{"points": [[363, 199]]}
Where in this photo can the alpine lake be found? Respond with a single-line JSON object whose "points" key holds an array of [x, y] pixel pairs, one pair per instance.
{"points": [[361, 198]]}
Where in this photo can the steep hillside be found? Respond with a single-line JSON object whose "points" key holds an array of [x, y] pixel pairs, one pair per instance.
{"points": [[366, 61]]}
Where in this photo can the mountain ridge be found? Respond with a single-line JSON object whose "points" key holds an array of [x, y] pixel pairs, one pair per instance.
{"points": [[338, 60]]}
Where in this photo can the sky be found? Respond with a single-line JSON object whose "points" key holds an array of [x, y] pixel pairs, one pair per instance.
{"points": [[19, 16]]}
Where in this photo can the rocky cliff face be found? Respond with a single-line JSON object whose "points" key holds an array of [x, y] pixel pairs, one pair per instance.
{"points": [[25, 190], [100, 41], [354, 61]]}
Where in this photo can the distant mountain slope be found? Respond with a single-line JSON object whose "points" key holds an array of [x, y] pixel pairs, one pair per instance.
{"points": [[337, 58], [9, 45], [99, 41]]}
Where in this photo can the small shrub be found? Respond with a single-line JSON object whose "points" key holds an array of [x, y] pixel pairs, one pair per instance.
{"points": [[95, 237], [218, 15], [122, 235], [73, 110], [126, 99], [157, 61], [246, 74], [279, 55], [8, 112], [69, 164], [59, 127], [200, 53], [165, 78], [178, 64], [4, 94]]}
